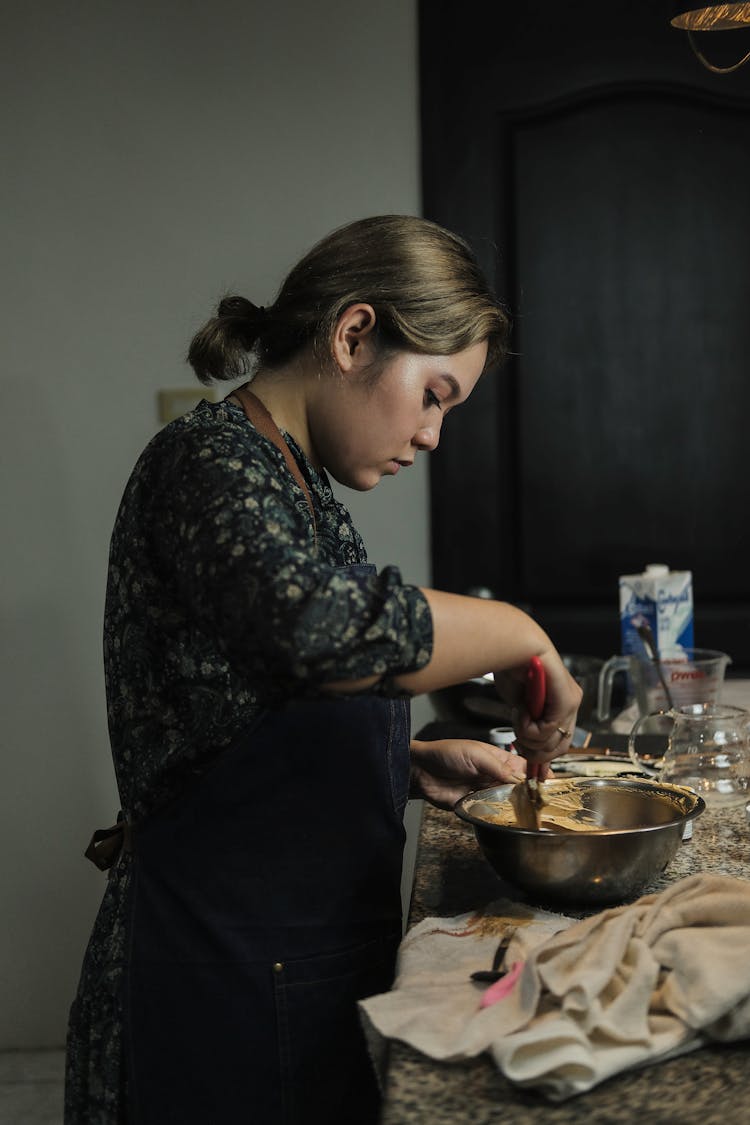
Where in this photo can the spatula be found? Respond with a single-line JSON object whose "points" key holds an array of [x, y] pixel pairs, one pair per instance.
{"points": [[526, 797]]}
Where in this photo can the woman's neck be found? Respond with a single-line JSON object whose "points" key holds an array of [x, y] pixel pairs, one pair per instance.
{"points": [[283, 393]]}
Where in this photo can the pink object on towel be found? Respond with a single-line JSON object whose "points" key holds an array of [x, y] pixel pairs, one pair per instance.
{"points": [[500, 989]]}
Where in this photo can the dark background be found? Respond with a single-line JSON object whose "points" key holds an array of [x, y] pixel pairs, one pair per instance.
{"points": [[602, 175]]}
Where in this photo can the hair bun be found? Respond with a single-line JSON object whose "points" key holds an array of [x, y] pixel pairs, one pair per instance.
{"points": [[240, 308]]}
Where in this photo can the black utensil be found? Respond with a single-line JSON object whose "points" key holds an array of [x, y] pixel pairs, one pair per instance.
{"points": [[644, 632], [489, 976]]}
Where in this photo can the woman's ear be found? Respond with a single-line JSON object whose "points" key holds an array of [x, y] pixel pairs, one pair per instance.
{"points": [[352, 338]]}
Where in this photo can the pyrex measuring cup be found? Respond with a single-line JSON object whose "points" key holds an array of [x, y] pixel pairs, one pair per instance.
{"points": [[706, 748], [693, 675]]}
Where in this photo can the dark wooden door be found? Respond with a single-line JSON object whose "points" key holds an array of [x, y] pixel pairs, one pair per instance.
{"points": [[604, 180]]}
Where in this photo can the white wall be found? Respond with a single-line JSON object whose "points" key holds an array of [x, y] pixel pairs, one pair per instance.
{"points": [[155, 153]]}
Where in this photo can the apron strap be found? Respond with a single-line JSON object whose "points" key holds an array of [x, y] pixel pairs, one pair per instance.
{"points": [[257, 413]]}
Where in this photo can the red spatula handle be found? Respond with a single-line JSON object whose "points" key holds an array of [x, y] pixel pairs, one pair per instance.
{"points": [[536, 688], [536, 692]]}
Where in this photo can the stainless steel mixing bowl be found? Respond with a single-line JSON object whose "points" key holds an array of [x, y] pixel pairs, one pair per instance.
{"points": [[642, 826]]}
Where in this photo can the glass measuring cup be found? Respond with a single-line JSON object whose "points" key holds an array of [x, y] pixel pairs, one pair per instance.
{"points": [[692, 675], [706, 747]]}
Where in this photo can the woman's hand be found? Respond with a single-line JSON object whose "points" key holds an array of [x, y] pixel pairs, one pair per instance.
{"points": [[544, 738], [444, 770]]}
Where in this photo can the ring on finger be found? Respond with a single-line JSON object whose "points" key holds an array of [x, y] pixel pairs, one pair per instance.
{"points": [[565, 733]]}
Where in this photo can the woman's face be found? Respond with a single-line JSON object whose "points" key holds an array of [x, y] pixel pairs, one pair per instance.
{"points": [[362, 431]]}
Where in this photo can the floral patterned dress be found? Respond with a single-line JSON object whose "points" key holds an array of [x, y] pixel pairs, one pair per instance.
{"points": [[219, 606]]}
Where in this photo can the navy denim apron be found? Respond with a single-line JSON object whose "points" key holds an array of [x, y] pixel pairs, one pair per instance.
{"points": [[265, 902]]}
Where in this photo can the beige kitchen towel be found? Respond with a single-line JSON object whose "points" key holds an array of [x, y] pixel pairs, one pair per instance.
{"points": [[623, 988]]}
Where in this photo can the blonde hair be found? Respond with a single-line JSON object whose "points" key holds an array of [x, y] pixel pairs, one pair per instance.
{"points": [[428, 292]]}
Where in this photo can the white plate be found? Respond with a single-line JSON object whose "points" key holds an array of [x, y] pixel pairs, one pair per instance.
{"points": [[594, 765]]}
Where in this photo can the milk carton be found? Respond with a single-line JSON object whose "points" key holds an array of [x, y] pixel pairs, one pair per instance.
{"points": [[661, 598]]}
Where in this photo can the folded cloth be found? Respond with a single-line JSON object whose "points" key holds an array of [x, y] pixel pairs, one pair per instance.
{"points": [[623, 988]]}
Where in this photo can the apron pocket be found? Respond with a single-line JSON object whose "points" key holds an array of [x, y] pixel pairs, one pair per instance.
{"points": [[326, 1072]]}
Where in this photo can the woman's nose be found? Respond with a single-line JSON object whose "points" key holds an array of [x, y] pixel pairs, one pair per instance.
{"points": [[427, 438]]}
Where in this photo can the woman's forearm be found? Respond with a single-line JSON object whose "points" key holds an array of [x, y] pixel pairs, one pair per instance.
{"points": [[472, 636]]}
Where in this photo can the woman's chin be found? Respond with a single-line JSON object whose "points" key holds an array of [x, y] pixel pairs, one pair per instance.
{"points": [[363, 481]]}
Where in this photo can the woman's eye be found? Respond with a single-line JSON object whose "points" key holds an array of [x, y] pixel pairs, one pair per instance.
{"points": [[432, 399]]}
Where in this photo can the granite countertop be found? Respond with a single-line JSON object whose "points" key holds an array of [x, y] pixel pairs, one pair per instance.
{"points": [[709, 1085]]}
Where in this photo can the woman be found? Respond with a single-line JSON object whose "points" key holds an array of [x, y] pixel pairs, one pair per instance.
{"points": [[257, 675]]}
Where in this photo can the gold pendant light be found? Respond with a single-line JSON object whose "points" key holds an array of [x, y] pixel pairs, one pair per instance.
{"points": [[715, 17]]}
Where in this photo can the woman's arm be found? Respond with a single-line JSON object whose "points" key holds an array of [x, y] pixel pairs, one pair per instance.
{"points": [[473, 636]]}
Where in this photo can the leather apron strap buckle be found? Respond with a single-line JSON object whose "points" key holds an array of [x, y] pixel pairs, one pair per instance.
{"points": [[107, 844]]}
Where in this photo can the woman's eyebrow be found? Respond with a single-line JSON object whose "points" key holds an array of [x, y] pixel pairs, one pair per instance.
{"points": [[454, 384]]}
